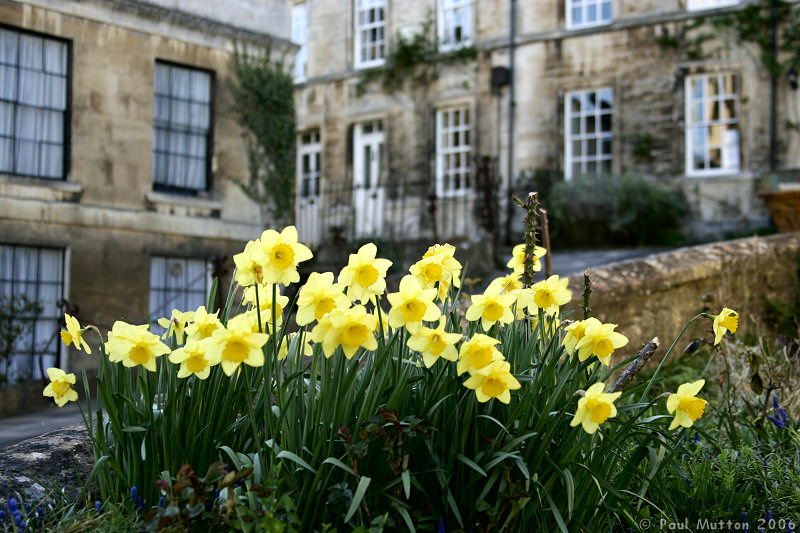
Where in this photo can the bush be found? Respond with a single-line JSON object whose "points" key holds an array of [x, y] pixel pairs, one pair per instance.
{"points": [[614, 210]]}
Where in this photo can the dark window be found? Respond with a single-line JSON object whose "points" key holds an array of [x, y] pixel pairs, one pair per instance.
{"points": [[34, 82], [181, 128], [176, 283], [32, 281]]}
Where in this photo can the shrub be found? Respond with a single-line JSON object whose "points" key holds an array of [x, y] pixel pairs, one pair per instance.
{"points": [[614, 210]]}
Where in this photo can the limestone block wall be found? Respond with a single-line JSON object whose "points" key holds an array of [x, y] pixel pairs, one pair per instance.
{"points": [[658, 295]]}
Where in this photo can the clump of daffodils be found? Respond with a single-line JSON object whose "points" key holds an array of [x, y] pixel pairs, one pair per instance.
{"points": [[343, 314]]}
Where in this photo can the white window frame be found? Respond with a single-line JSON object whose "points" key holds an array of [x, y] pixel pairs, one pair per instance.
{"points": [[584, 6], [23, 272], [309, 147], [699, 5], [454, 140], [730, 150], [584, 137], [449, 10], [300, 37], [183, 294], [364, 7]]}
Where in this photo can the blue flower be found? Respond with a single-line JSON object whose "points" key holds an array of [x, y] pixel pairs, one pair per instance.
{"points": [[12, 505], [440, 526], [161, 502], [133, 494], [769, 516], [40, 512], [779, 417], [98, 507]]}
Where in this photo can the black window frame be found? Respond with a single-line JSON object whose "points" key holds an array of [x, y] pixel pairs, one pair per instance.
{"points": [[66, 156], [174, 189]]}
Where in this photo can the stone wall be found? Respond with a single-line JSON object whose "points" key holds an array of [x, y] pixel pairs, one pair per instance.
{"points": [[658, 295]]}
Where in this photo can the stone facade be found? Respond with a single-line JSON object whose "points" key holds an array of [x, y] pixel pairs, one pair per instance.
{"points": [[105, 212], [553, 58]]}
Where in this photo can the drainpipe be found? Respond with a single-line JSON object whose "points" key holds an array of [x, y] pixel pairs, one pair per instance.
{"points": [[773, 111], [512, 14]]}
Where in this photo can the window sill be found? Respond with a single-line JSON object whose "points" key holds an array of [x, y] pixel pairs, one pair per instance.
{"points": [[187, 206], [724, 175], [48, 190]]}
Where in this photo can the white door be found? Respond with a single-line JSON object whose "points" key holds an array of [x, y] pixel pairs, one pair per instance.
{"points": [[368, 192], [307, 207]]}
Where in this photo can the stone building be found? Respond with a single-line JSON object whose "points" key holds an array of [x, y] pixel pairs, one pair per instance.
{"points": [[600, 86], [119, 153]]}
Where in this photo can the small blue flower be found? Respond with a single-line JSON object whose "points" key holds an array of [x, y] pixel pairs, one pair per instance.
{"points": [[140, 502], [440, 526], [769, 515], [161, 502], [2, 515], [696, 437], [40, 512], [12, 505], [133, 494], [98, 507]]}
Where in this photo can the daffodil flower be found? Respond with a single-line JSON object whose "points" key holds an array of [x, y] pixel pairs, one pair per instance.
{"points": [[549, 295], [477, 354], [194, 358], [74, 334], [727, 320], [60, 387], [364, 275], [134, 345], [278, 255], [349, 328], [599, 339], [491, 307], [236, 344], [495, 382], [318, 297], [434, 343], [517, 262], [412, 304], [595, 408], [686, 405], [203, 325]]}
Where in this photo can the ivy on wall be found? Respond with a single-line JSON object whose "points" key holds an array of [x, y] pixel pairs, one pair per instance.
{"points": [[263, 95]]}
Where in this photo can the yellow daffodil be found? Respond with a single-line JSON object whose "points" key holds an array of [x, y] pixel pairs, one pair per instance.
{"points": [[523, 300], [495, 381], [517, 262], [318, 297], [601, 340], [445, 255], [134, 345], [236, 344], [194, 358], [365, 275], [412, 304], [278, 254], [686, 405], [490, 308], [203, 325], [549, 295], [727, 320], [60, 387], [595, 408], [351, 328], [434, 343], [176, 324], [306, 349], [265, 302], [74, 334], [573, 333], [507, 284], [248, 269], [477, 353]]}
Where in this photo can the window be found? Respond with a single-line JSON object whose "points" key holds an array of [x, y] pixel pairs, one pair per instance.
{"points": [[693, 5], [712, 124], [176, 283], [36, 276], [308, 169], [182, 128], [455, 23], [300, 36], [33, 104], [453, 151], [585, 13], [370, 32], [587, 132]]}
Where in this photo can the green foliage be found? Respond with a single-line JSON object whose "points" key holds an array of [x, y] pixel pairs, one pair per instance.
{"points": [[416, 60], [264, 105], [643, 145], [614, 210], [17, 314]]}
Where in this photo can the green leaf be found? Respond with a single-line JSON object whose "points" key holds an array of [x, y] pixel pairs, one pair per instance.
{"points": [[406, 477], [405, 516], [294, 457], [363, 483], [133, 429], [336, 462], [470, 463]]}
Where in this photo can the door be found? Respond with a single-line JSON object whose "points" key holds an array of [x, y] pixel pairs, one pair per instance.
{"points": [[368, 193], [307, 207]]}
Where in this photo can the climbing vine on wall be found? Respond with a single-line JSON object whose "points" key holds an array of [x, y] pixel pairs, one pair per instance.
{"points": [[263, 95]]}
